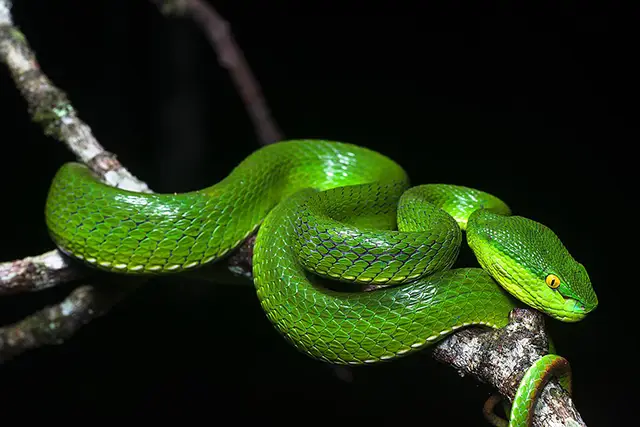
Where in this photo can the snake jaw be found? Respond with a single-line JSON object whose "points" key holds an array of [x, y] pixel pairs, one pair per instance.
{"points": [[534, 293], [575, 310], [531, 290]]}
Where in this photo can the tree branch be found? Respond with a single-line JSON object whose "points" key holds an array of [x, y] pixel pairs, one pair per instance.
{"points": [[230, 57], [50, 108], [57, 323], [501, 357], [37, 273]]}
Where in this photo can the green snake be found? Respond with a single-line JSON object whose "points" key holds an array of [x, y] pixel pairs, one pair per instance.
{"points": [[330, 215]]}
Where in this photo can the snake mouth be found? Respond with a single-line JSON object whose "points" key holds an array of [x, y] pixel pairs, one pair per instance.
{"points": [[571, 310], [579, 307]]}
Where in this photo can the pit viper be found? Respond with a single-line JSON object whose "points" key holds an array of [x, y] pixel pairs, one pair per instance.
{"points": [[330, 215]]}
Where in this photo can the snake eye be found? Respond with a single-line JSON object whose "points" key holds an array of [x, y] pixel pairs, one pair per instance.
{"points": [[552, 281]]}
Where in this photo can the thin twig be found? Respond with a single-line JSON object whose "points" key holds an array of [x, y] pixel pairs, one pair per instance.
{"points": [[57, 323], [230, 57]]}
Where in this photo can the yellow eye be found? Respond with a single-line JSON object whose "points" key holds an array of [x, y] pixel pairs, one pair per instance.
{"points": [[552, 281]]}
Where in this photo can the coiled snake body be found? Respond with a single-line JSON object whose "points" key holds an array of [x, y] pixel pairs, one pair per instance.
{"points": [[330, 211]]}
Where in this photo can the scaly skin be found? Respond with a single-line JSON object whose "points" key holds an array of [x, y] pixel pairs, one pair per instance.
{"points": [[355, 327], [335, 212]]}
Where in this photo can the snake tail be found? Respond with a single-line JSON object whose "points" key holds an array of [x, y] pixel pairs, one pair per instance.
{"points": [[532, 384], [535, 378]]}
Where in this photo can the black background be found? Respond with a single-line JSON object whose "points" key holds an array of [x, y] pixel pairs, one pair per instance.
{"points": [[535, 104]]}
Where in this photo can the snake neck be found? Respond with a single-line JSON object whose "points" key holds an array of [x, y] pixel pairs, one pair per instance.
{"points": [[489, 255], [461, 202]]}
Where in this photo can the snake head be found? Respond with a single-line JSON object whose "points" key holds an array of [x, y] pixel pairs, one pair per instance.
{"points": [[530, 262]]}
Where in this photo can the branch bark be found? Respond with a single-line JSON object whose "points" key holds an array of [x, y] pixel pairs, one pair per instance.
{"points": [[36, 273], [502, 356], [58, 322]]}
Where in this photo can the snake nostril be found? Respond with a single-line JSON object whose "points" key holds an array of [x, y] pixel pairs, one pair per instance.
{"points": [[577, 305]]}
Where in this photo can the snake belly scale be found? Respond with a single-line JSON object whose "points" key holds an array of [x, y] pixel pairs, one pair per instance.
{"points": [[334, 212]]}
